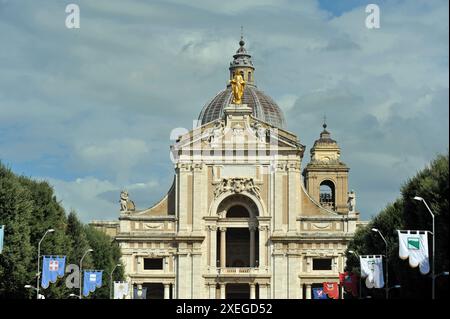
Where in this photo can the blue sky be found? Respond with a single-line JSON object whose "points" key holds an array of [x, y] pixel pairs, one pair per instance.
{"points": [[91, 109]]}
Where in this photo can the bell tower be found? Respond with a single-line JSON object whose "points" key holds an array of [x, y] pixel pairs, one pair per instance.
{"points": [[326, 177]]}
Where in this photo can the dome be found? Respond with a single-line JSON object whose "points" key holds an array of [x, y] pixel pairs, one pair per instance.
{"points": [[263, 107]]}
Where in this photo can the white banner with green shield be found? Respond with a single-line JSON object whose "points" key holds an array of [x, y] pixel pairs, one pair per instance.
{"points": [[413, 244]]}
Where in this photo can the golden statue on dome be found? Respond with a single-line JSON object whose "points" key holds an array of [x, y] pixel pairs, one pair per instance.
{"points": [[237, 87]]}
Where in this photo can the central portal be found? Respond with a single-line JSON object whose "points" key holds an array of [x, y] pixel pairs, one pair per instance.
{"points": [[238, 238], [238, 291]]}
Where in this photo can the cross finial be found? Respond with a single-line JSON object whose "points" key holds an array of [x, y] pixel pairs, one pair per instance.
{"points": [[324, 122], [241, 42]]}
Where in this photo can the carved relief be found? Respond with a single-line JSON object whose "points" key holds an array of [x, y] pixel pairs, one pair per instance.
{"points": [[238, 130], [321, 226], [260, 132], [154, 226], [237, 185], [215, 134]]}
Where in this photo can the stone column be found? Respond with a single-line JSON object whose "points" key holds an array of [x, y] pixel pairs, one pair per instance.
{"points": [[222, 291], [252, 291], [213, 246], [262, 246], [223, 247], [300, 295], [212, 291], [308, 291], [166, 291], [263, 291], [252, 245]]}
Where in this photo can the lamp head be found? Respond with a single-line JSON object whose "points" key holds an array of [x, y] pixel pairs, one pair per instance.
{"points": [[418, 198], [375, 230], [51, 230], [27, 286]]}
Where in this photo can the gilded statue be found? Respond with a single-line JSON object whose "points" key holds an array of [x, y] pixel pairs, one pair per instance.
{"points": [[237, 87]]}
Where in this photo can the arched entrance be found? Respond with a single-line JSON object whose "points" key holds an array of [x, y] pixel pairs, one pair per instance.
{"points": [[238, 239]]}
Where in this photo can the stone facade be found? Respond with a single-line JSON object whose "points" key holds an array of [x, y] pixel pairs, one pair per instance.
{"points": [[241, 220]]}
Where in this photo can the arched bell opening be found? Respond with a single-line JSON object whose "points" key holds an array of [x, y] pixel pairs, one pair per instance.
{"points": [[327, 194]]}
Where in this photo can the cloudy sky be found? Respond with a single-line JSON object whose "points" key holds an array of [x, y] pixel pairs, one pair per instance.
{"points": [[91, 109]]}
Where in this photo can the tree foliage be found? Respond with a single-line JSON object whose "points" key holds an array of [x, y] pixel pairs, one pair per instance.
{"points": [[27, 209], [405, 213]]}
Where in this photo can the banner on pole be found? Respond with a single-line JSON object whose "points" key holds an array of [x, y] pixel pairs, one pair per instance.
{"points": [[372, 270], [120, 289], [413, 244], [52, 268], [318, 293], [2, 235], [139, 293], [331, 289], [350, 282], [92, 280]]}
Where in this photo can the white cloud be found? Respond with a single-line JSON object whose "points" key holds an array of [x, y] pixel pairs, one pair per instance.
{"points": [[93, 198], [101, 101]]}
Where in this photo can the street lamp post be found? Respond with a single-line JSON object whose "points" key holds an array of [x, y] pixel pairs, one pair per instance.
{"points": [[357, 256], [433, 277], [111, 281], [387, 266], [51, 230], [81, 269], [34, 288]]}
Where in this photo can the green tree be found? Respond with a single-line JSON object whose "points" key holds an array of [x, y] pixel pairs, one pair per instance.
{"points": [[27, 209], [106, 255], [15, 213], [432, 184]]}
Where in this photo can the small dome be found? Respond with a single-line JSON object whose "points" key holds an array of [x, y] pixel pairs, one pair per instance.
{"points": [[264, 108]]}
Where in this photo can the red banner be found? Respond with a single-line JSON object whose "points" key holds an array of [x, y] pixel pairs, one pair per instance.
{"points": [[350, 282], [331, 289]]}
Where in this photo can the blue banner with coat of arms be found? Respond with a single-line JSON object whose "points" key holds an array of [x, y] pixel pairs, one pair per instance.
{"points": [[91, 281], [52, 268], [318, 293]]}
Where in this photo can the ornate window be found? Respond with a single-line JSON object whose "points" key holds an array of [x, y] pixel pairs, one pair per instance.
{"points": [[322, 264], [153, 263]]}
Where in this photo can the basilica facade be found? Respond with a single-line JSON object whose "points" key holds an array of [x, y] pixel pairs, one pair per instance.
{"points": [[243, 218]]}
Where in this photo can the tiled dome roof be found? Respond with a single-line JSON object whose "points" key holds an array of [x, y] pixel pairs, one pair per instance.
{"points": [[264, 108]]}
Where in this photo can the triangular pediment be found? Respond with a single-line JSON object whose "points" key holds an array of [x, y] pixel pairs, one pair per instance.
{"points": [[245, 133]]}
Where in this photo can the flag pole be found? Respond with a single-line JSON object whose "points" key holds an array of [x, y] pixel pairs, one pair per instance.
{"points": [[51, 230], [111, 281], [387, 266], [433, 277], [81, 269]]}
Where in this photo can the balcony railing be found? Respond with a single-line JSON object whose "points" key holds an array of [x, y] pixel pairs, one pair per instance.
{"points": [[239, 271]]}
